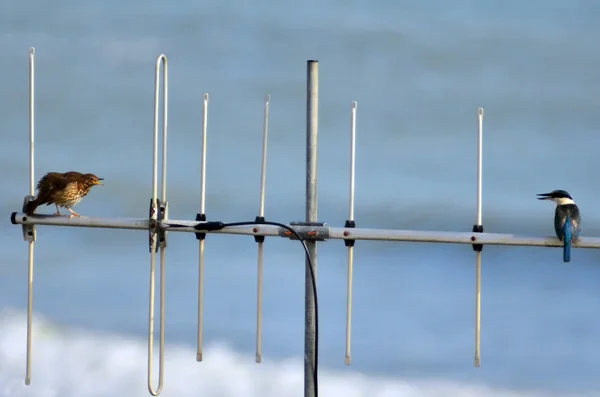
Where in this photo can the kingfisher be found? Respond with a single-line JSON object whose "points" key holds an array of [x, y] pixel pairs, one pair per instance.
{"points": [[567, 221]]}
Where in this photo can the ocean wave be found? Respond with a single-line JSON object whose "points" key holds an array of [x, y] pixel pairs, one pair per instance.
{"points": [[70, 362]]}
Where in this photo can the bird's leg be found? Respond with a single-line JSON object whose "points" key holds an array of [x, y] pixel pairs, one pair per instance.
{"points": [[73, 213], [57, 211]]}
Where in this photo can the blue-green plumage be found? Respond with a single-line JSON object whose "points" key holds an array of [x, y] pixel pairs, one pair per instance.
{"points": [[567, 224], [567, 220]]}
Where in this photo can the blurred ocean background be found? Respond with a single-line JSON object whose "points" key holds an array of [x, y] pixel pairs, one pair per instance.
{"points": [[419, 71]]}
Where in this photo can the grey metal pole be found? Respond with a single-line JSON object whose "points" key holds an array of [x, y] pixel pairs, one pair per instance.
{"points": [[312, 127]]}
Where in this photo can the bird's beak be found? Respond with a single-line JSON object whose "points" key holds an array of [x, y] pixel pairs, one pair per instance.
{"points": [[544, 196], [98, 181]]}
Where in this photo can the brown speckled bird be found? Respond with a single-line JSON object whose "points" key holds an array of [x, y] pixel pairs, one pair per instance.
{"points": [[63, 190]]}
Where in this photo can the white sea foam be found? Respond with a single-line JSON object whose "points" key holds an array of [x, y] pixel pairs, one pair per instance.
{"points": [[81, 363]]}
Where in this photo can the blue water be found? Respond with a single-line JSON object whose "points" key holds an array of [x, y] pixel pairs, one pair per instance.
{"points": [[419, 72]]}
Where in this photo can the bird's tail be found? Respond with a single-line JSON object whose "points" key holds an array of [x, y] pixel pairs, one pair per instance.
{"points": [[31, 206], [568, 235]]}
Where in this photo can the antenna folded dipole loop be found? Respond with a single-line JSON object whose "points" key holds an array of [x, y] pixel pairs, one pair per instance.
{"points": [[158, 237]]}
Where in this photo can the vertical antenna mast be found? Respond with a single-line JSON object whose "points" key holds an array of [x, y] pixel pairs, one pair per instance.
{"points": [[312, 127]]}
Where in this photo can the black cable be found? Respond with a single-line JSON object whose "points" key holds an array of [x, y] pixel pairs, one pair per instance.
{"points": [[211, 226], [314, 285]]}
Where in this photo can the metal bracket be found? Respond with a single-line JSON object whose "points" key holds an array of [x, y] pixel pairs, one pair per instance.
{"points": [[200, 218], [477, 229], [259, 220], [312, 231], [154, 226], [163, 212], [29, 232], [157, 236], [349, 224]]}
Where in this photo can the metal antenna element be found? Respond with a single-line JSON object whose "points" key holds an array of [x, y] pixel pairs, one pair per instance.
{"points": [[350, 224], [260, 239], [201, 236], [158, 214], [29, 232], [478, 228]]}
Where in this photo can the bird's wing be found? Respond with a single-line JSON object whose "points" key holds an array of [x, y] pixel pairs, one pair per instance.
{"points": [[576, 219], [559, 222], [562, 211], [58, 181], [49, 184]]}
